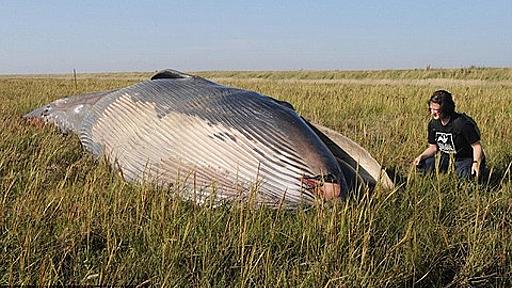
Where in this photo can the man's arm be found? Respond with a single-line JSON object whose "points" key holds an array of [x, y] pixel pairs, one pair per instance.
{"points": [[477, 158]]}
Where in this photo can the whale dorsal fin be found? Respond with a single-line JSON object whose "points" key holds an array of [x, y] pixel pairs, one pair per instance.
{"points": [[170, 74]]}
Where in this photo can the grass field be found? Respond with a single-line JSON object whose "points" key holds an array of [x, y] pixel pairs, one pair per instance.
{"points": [[68, 219]]}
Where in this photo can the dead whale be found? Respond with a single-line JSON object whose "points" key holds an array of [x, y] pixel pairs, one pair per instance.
{"points": [[217, 143]]}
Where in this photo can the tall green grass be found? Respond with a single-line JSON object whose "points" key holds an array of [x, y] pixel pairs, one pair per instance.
{"points": [[66, 218]]}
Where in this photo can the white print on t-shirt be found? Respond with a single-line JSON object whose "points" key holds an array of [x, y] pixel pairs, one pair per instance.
{"points": [[445, 142]]}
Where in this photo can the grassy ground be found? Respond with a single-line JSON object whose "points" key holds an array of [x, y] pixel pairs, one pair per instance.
{"points": [[68, 219]]}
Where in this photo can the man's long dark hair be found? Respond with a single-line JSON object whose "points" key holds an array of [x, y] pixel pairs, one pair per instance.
{"points": [[445, 100]]}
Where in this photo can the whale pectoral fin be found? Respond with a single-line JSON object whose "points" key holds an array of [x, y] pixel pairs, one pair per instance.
{"points": [[353, 178], [355, 156]]}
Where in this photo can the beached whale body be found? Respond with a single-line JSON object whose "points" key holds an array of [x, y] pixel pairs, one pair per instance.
{"points": [[214, 142]]}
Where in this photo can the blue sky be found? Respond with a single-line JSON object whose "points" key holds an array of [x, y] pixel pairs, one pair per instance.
{"points": [[100, 36]]}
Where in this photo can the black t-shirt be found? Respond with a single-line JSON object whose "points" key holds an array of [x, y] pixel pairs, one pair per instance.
{"points": [[456, 137]]}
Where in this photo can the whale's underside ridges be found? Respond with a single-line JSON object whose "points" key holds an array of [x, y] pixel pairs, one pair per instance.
{"points": [[210, 140]]}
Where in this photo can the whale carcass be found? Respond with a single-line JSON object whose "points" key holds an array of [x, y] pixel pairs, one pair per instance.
{"points": [[217, 143]]}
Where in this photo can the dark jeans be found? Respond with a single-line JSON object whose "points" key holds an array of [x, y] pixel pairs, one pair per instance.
{"points": [[462, 166]]}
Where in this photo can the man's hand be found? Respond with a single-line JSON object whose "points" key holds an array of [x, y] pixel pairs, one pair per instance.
{"points": [[429, 152], [417, 161], [475, 169]]}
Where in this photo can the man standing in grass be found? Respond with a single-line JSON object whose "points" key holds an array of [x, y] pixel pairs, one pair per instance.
{"points": [[456, 135]]}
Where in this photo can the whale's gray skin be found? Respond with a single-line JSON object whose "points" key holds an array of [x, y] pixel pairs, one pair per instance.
{"points": [[214, 142]]}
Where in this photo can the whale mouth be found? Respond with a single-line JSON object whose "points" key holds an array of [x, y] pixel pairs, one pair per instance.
{"points": [[37, 117], [326, 186]]}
